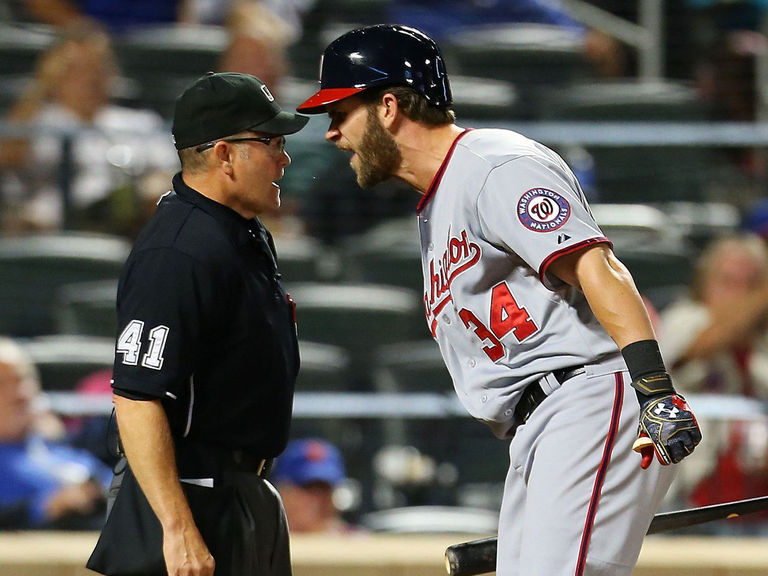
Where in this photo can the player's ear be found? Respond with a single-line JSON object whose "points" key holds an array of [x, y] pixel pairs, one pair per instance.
{"points": [[388, 109]]}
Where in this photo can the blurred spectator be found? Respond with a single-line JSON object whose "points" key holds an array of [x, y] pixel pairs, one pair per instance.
{"points": [[96, 434], [291, 13], [258, 42], [43, 484], [306, 474], [755, 219], [715, 341], [116, 15], [116, 152]]}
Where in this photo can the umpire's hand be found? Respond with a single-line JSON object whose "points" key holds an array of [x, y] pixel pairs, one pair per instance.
{"points": [[185, 552]]}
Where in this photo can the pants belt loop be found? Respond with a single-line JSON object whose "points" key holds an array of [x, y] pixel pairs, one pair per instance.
{"points": [[549, 383]]}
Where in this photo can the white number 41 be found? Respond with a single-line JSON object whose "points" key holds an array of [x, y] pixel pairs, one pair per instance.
{"points": [[129, 345]]}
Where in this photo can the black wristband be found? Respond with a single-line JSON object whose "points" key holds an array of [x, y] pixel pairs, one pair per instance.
{"points": [[643, 358]]}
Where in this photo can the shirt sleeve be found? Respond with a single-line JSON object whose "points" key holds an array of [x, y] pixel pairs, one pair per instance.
{"points": [[534, 207], [162, 321]]}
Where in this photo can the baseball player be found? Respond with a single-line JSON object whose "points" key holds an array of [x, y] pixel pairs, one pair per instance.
{"points": [[541, 327]]}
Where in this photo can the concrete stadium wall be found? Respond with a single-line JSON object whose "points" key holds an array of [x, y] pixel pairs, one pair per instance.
{"points": [[64, 554]]}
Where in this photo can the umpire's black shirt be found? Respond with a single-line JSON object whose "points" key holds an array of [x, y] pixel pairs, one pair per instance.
{"points": [[205, 325]]}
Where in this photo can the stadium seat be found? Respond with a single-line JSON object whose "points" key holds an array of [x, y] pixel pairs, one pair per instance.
{"points": [[647, 173], [164, 60], [20, 46], [389, 253], [33, 268], [527, 56], [324, 367], [88, 308], [432, 520], [357, 318], [64, 360], [415, 366], [300, 259]]}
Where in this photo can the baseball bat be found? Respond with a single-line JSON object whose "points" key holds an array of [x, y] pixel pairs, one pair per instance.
{"points": [[479, 556]]}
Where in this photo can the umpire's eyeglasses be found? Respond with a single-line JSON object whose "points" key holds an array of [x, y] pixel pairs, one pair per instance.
{"points": [[267, 140]]}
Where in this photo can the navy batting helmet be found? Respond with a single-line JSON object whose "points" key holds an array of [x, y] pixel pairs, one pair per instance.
{"points": [[378, 56]]}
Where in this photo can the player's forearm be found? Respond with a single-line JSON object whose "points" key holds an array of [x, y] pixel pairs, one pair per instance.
{"points": [[146, 438], [613, 297]]}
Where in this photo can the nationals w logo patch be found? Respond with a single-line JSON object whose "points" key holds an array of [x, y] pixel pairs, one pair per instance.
{"points": [[543, 210]]}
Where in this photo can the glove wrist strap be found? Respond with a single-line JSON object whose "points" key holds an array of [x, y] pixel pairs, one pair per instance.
{"points": [[646, 368], [653, 385], [642, 358]]}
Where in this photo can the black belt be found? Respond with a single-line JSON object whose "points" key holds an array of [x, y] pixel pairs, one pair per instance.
{"points": [[201, 460], [533, 395], [245, 462]]}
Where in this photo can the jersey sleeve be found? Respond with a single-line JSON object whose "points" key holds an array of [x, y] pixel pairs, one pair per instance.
{"points": [[161, 323], [533, 206]]}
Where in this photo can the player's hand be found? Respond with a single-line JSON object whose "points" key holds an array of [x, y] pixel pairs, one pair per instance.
{"points": [[667, 428]]}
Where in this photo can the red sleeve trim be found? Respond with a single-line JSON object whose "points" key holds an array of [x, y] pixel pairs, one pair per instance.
{"points": [[569, 250]]}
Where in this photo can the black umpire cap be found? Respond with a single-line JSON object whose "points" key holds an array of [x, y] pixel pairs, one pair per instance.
{"points": [[224, 103]]}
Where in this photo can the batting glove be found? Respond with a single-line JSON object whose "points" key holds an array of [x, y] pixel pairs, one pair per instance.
{"points": [[668, 426]]}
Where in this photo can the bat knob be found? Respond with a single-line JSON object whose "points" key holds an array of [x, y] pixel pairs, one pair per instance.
{"points": [[644, 445], [451, 562]]}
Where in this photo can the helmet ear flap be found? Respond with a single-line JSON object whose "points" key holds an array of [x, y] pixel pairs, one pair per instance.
{"points": [[380, 55]]}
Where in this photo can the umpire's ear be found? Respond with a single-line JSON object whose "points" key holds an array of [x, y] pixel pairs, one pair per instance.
{"points": [[222, 154]]}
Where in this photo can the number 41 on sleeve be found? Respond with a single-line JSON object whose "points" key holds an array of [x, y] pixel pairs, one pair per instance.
{"points": [[129, 345]]}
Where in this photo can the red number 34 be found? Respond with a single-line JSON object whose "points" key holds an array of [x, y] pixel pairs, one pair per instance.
{"points": [[506, 316]]}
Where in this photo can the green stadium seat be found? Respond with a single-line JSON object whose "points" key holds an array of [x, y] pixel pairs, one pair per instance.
{"points": [[357, 318], [88, 308], [33, 268], [64, 360], [647, 173]]}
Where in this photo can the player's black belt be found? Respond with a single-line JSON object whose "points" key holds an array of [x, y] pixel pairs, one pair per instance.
{"points": [[534, 395]]}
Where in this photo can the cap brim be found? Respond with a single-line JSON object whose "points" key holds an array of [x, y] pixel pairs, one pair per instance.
{"points": [[320, 472], [283, 123], [316, 103]]}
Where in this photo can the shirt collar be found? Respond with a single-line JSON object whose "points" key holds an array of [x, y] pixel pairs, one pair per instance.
{"points": [[239, 228]]}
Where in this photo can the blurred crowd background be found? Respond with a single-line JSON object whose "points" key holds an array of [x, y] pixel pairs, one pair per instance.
{"points": [[658, 105]]}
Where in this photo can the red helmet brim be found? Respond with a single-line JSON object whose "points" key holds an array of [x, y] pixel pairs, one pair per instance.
{"points": [[316, 103]]}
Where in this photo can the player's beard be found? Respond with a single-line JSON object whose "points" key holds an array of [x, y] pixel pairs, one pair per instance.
{"points": [[378, 155]]}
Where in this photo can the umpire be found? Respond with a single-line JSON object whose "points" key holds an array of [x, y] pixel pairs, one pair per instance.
{"points": [[207, 353]]}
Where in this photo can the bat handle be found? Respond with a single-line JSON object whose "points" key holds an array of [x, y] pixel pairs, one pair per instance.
{"points": [[644, 445]]}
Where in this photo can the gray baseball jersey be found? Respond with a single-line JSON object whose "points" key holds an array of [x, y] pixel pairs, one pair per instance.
{"points": [[500, 210]]}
